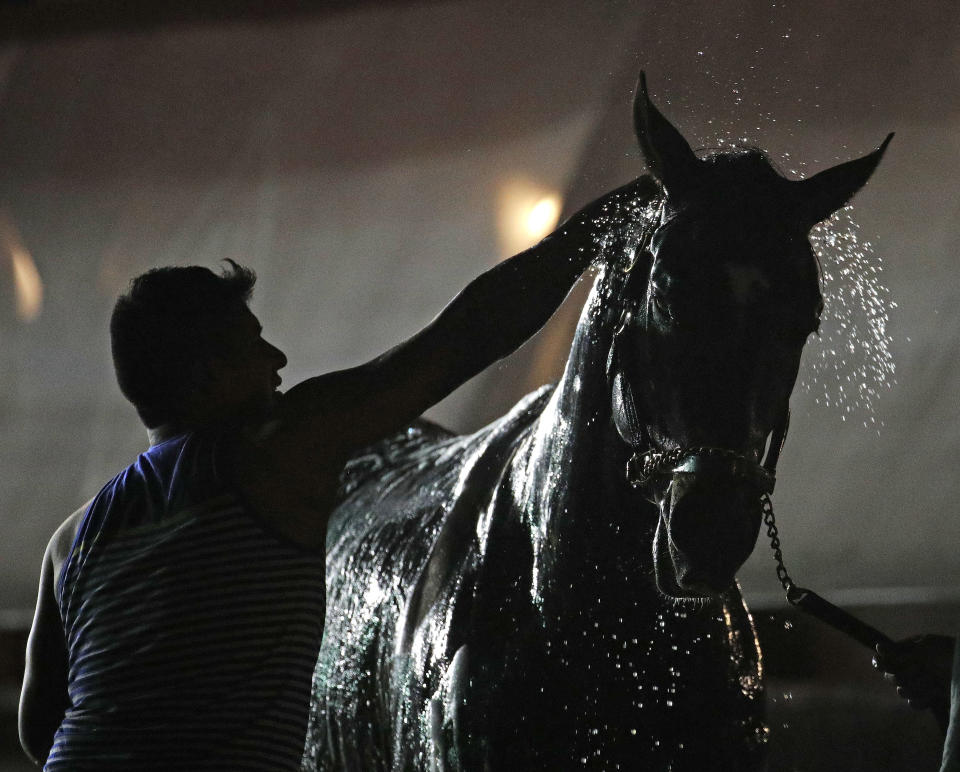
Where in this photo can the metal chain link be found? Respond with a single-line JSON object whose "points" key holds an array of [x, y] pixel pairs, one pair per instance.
{"points": [[656, 462], [767, 508]]}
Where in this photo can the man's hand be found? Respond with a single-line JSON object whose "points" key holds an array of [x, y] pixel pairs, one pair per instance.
{"points": [[607, 220], [921, 668]]}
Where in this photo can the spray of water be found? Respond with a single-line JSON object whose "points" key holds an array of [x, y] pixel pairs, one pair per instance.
{"points": [[851, 363]]}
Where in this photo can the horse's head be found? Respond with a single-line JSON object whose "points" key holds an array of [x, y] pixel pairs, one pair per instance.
{"points": [[718, 305]]}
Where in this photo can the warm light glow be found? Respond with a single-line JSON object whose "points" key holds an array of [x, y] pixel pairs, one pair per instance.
{"points": [[27, 285], [29, 288], [542, 217], [527, 213]]}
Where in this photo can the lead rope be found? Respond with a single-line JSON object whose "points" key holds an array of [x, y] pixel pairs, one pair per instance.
{"points": [[811, 603]]}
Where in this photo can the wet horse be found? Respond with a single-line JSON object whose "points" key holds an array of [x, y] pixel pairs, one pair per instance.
{"points": [[557, 590]]}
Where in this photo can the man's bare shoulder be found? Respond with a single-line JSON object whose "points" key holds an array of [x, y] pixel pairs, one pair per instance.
{"points": [[58, 549], [289, 479]]}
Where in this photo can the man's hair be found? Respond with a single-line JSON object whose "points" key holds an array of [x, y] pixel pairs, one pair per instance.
{"points": [[169, 324]]}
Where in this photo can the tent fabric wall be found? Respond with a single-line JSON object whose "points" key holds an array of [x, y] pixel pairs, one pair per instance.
{"points": [[355, 159]]}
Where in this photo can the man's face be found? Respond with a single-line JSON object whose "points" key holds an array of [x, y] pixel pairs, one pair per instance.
{"points": [[246, 378]]}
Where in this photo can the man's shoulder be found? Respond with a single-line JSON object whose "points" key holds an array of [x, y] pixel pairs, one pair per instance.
{"points": [[58, 549]]}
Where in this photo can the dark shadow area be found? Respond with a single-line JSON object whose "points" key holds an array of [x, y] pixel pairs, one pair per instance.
{"points": [[45, 19], [13, 641], [828, 710]]}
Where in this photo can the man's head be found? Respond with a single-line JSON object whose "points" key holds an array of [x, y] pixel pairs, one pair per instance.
{"points": [[188, 351]]}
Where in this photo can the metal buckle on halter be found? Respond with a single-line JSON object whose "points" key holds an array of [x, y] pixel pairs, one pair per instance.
{"points": [[642, 467]]}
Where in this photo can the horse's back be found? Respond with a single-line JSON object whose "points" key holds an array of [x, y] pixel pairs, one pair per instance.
{"points": [[407, 518]]}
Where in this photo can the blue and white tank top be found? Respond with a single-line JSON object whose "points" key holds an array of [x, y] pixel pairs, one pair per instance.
{"points": [[192, 629]]}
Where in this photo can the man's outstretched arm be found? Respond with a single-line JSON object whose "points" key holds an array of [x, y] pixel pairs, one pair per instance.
{"points": [[289, 469], [488, 320]]}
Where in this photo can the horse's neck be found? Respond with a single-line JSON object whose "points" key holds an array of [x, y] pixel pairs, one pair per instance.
{"points": [[570, 476]]}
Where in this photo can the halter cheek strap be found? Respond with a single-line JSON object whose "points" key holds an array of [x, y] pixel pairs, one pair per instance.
{"points": [[626, 417], [778, 438], [644, 465]]}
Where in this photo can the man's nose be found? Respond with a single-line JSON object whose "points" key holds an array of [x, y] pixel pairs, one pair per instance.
{"points": [[278, 355]]}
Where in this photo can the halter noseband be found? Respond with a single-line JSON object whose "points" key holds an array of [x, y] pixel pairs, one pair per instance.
{"points": [[643, 467]]}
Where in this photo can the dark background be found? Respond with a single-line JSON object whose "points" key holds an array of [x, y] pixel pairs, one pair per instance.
{"points": [[367, 160]]}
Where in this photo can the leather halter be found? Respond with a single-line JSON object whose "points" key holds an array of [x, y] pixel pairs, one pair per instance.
{"points": [[645, 465]]}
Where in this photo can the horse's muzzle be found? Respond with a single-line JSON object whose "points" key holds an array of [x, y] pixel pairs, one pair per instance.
{"points": [[712, 520]]}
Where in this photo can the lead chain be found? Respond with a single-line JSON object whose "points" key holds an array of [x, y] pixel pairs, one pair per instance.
{"points": [[767, 508]]}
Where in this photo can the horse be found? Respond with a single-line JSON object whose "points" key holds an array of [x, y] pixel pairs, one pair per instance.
{"points": [[557, 590]]}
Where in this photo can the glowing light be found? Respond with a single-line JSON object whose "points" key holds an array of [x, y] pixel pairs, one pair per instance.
{"points": [[543, 217], [527, 213], [28, 287]]}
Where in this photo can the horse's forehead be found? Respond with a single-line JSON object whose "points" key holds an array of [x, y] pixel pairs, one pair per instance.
{"points": [[727, 252], [745, 281], [725, 237], [733, 223]]}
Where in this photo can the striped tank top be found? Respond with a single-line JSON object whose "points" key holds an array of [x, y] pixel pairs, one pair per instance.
{"points": [[192, 629]]}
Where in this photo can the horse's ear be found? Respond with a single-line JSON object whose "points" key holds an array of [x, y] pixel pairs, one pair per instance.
{"points": [[666, 152], [824, 193]]}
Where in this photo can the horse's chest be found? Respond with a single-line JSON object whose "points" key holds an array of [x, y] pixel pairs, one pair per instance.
{"points": [[666, 688]]}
